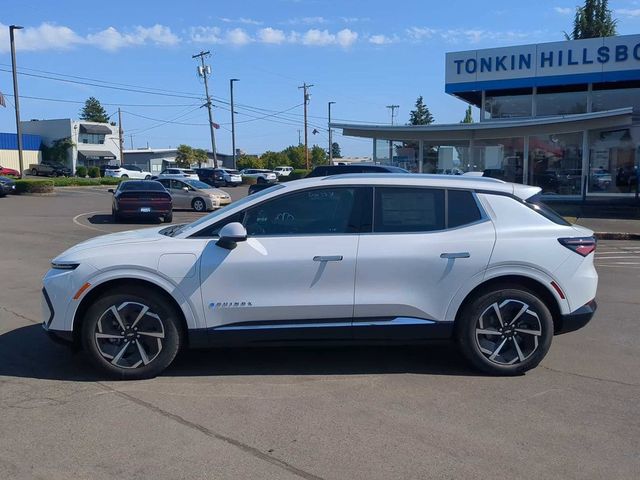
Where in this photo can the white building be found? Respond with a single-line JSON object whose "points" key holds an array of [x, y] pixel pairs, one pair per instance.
{"points": [[95, 143]]}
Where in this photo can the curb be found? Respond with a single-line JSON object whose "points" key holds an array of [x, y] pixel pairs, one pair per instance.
{"points": [[617, 236]]}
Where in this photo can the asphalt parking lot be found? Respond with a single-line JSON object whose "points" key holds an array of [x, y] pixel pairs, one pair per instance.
{"points": [[360, 413]]}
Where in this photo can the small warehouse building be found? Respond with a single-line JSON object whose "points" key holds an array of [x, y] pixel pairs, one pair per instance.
{"points": [[9, 150], [564, 116]]}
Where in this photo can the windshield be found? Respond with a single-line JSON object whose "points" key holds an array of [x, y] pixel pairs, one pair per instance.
{"points": [[189, 172], [223, 211], [232, 172], [197, 184]]}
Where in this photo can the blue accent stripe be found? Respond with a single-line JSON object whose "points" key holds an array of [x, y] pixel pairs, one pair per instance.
{"points": [[399, 321], [594, 77]]}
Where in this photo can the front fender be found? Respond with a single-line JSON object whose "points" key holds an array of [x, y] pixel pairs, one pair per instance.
{"points": [[187, 300]]}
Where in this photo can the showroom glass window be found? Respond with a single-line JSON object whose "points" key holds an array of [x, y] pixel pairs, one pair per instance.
{"points": [[606, 97], [508, 104], [501, 158], [613, 162], [555, 163], [565, 100]]}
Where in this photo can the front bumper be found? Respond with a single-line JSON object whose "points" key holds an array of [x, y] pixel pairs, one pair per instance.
{"points": [[575, 320]]}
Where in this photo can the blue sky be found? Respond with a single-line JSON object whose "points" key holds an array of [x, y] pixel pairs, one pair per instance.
{"points": [[363, 55]]}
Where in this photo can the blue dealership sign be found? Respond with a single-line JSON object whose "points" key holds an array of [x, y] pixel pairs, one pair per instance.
{"points": [[559, 63]]}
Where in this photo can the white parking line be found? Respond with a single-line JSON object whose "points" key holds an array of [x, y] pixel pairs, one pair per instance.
{"points": [[75, 220]]}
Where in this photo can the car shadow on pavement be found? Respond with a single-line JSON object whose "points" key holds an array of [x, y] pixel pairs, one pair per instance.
{"points": [[26, 352], [105, 219]]}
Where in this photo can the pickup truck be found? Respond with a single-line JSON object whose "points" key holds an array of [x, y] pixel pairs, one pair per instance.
{"points": [[49, 169]]}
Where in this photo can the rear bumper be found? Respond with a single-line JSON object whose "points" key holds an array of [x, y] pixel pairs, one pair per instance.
{"points": [[577, 319]]}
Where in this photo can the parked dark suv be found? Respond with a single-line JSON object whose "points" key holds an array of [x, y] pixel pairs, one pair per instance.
{"points": [[327, 170]]}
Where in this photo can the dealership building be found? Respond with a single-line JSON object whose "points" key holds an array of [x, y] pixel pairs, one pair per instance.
{"points": [[563, 116]]}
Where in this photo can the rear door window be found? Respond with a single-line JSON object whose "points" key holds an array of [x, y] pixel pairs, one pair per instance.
{"points": [[399, 209]]}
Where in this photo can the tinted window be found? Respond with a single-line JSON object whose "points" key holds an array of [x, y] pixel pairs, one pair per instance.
{"points": [[165, 182], [409, 210], [547, 212], [462, 208], [317, 211], [140, 186]]}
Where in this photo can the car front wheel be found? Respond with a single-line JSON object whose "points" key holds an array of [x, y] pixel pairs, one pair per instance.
{"points": [[131, 333], [199, 205], [505, 332]]}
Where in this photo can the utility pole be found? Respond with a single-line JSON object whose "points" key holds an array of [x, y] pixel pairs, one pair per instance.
{"points": [[330, 135], [305, 89], [393, 114], [233, 123], [121, 136], [204, 71], [16, 96], [131, 138], [299, 137]]}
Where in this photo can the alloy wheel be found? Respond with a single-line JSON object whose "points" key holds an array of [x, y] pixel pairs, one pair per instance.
{"points": [[129, 335], [508, 332], [198, 205]]}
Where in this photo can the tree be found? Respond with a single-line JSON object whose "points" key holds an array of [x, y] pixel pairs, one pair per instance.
{"points": [[93, 111], [318, 156], [335, 150], [58, 151], [295, 156], [249, 161], [272, 160], [184, 156], [468, 116], [200, 156], [593, 20], [421, 115]]}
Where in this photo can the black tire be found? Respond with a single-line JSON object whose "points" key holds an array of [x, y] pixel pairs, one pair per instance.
{"points": [[115, 216], [34, 172], [168, 218], [509, 351], [148, 177], [199, 205], [124, 176], [160, 343]]}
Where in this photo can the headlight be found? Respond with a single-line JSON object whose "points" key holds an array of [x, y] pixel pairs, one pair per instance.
{"points": [[64, 266]]}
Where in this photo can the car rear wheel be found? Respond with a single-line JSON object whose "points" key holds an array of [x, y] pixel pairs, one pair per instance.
{"points": [[505, 332], [168, 218], [131, 333], [198, 205], [124, 176], [34, 172], [148, 177]]}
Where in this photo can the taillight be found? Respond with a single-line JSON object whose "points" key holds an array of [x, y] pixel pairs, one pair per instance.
{"points": [[581, 245]]}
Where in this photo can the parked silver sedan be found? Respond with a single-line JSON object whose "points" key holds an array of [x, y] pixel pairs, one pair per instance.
{"points": [[188, 193]]}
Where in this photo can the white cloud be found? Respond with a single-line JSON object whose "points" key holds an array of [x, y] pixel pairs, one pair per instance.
{"points": [[419, 33], [243, 20], [238, 36], [47, 36], [307, 21], [380, 40], [627, 12], [318, 37], [346, 37], [564, 10], [271, 35], [355, 19], [206, 34]]}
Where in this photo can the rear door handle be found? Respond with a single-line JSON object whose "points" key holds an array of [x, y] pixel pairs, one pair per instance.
{"points": [[455, 255], [327, 258]]}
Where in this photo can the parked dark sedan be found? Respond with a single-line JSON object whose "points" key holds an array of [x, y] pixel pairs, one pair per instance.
{"points": [[7, 186], [141, 198], [327, 170]]}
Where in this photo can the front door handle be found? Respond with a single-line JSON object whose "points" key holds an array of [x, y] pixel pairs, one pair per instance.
{"points": [[455, 255], [327, 258]]}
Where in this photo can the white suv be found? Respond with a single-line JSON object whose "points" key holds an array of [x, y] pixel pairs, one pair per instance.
{"points": [[349, 258], [283, 171], [127, 171]]}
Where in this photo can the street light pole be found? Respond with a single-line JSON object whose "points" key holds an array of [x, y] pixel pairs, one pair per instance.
{"points": [[330, 135], [233, 122], [16, 95]]}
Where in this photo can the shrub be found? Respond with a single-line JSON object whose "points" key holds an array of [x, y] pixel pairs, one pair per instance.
{"points": [[249, 181], [81, 171], [34, 186], [295, 175], [110, 181], [84, 182], [94, 172]]}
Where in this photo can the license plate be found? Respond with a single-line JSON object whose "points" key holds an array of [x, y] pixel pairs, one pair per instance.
{"points": [[145, 209]]}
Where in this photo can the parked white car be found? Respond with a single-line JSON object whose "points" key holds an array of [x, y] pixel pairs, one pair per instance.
{"points": [[267, 175], [475, 260], [178, 173], [127, 171], [283, 171]]}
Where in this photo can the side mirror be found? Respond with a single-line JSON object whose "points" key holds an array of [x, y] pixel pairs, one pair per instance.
{"points": [[110, 190], [231, 234], [186, 189]]}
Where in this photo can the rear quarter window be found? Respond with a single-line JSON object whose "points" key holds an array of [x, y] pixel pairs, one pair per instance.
{"points": [[462, 208]]}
